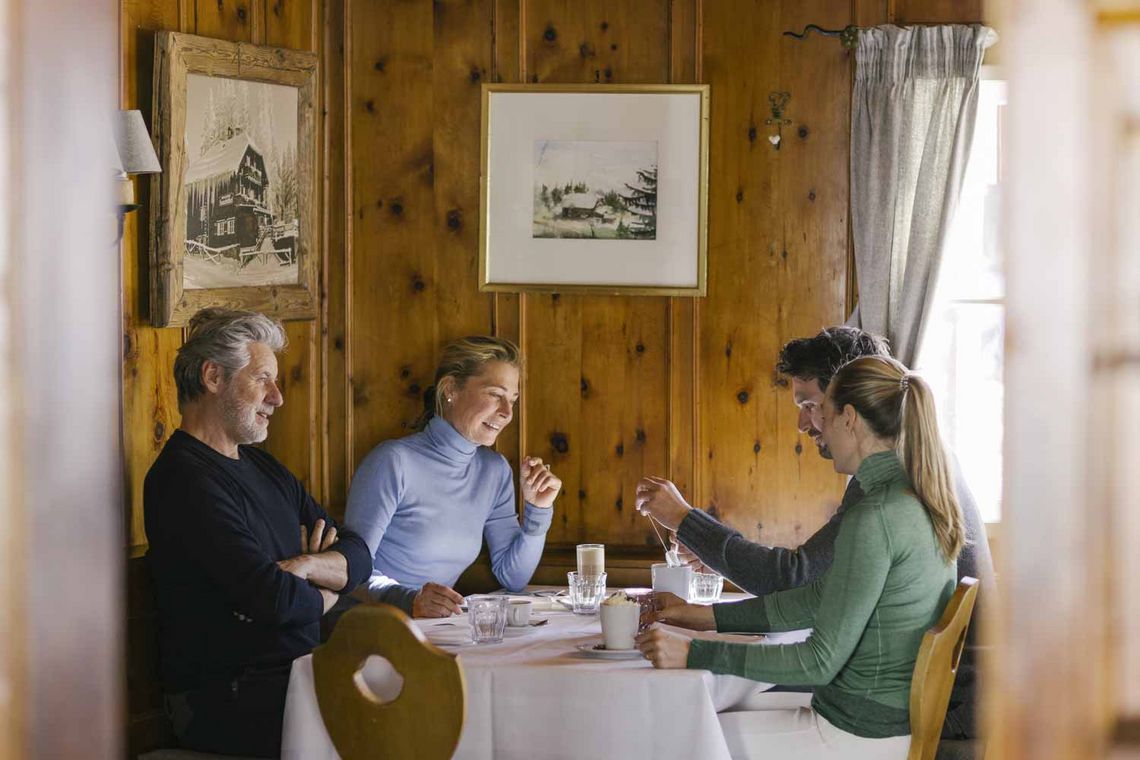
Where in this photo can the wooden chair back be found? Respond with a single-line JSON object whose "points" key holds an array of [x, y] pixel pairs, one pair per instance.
{"points": [[423, 722], [935, 670]]}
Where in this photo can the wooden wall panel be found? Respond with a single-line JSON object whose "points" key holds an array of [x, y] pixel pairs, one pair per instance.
{"points": [[295, 437], [389, 118], [936, 11], [406, 295], [597, 378], [614, 388], [233, 20], [614, 41], [150, 402], [335, 398], [777, 256]]}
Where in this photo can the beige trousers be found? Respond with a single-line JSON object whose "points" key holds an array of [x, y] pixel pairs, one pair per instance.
{"points": [[801, 734]]}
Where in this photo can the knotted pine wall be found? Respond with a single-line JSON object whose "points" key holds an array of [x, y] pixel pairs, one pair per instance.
{"points": [[615, 387]]}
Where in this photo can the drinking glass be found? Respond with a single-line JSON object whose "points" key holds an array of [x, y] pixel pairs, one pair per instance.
{"points": [[705, 588], [591, 559], [488, 617], [586, 592]]}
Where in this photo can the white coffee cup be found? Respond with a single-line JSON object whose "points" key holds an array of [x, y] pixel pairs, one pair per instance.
{"points": [[518, 612], [619, 624], [675, 580]]}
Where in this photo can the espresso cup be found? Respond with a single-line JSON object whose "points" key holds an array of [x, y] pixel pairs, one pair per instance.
{"points": [[518, 613], [619, 624], [675, 580]]}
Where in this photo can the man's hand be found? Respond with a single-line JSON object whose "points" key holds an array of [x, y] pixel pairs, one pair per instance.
{"points": [[321, 539], [329, 598], [687, 555], [665, 649], [538, 484], [328, 570], [673, 610], [298, 566], [659, 498], [435, 601]]}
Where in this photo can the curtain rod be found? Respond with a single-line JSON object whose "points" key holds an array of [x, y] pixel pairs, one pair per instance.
{"points": [[848, 35]]}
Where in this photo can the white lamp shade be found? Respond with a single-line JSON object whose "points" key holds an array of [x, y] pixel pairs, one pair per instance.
{"points": [[136, 153]]}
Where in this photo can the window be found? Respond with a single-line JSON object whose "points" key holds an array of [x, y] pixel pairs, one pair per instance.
{"points": [[226, 200], [225, 226], [961, 352]]}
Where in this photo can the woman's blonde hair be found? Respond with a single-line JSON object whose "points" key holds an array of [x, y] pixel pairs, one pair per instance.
{"points": [[899, 406], [463, 359]]}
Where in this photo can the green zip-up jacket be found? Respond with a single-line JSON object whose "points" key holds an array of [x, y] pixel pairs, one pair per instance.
{"points": [[888, 584]]}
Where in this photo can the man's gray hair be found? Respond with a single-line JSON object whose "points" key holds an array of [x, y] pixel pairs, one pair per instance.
{"points": [[221, 336]]}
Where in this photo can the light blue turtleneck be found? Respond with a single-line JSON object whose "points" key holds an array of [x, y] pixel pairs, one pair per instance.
{"points": [[425, 502]]}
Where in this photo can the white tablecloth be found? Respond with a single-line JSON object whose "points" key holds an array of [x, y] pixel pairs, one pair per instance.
{"points": [[535, 696]]}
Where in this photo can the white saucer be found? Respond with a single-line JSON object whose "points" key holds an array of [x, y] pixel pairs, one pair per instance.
{"points": [[588, 650]]}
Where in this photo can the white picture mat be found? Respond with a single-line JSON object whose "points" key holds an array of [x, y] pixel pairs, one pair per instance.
{"points": [[516, 120]]}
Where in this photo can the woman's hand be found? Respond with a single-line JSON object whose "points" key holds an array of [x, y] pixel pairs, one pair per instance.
{"points": [[659, 498], [665, 649], [673, 610], [539, 485], [435, 601]]}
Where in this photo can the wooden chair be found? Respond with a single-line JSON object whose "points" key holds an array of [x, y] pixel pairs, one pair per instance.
{"points": [[423, 722], [935, 669]]}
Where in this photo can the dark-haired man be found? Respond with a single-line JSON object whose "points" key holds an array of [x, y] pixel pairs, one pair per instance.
{"points": [[245, 563], [809, 364]]}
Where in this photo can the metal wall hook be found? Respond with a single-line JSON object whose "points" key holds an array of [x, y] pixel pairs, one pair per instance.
{"points": [[848, 35], [778, 101]]}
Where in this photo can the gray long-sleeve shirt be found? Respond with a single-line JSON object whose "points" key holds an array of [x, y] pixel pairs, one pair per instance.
{"points": [[761, 570]]}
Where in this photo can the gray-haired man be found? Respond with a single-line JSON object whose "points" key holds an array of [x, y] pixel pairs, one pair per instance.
{"points": [[245, 562]]}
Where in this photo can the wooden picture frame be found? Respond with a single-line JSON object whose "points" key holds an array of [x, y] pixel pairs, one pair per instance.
{"points": [[250, 240], [592, 188]]}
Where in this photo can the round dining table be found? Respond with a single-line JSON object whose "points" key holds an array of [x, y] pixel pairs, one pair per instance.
{"points": [[544, 692]]}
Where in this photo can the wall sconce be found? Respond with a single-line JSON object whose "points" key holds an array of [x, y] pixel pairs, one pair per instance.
{"points": [[136, 156]]}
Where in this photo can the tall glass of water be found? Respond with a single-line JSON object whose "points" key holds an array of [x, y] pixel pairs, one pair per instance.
{"points": [[586, 592], [488, 617], [591, 559]]}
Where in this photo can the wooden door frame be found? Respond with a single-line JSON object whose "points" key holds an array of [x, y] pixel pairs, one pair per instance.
{"points": [[61, 526]]}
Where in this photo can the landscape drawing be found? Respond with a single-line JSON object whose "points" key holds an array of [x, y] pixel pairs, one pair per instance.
{"points": [[605, 190], [241, 182]]}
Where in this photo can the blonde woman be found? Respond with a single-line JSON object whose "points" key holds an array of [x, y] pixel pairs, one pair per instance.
{"points": [[425, 503], [893, 573]]}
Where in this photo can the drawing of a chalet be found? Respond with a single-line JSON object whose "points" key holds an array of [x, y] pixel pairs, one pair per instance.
{"points": [[228, 214], [580, 206]]}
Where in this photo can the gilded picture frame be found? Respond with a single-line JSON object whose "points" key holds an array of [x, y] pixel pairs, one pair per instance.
{"points": [[597, 189]]}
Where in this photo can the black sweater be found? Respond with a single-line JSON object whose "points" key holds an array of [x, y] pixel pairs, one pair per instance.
{"points": [[216, 528]]}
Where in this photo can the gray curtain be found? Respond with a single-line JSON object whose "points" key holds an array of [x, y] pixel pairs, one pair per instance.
{"points": [[913, 109]]}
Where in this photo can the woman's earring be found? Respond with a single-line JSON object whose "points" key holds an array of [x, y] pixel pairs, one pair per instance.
{"points": [[449, 399]]}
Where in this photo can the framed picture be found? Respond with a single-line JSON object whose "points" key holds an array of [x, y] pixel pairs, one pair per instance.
{"points": [[594, 188], [233, 217]]}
